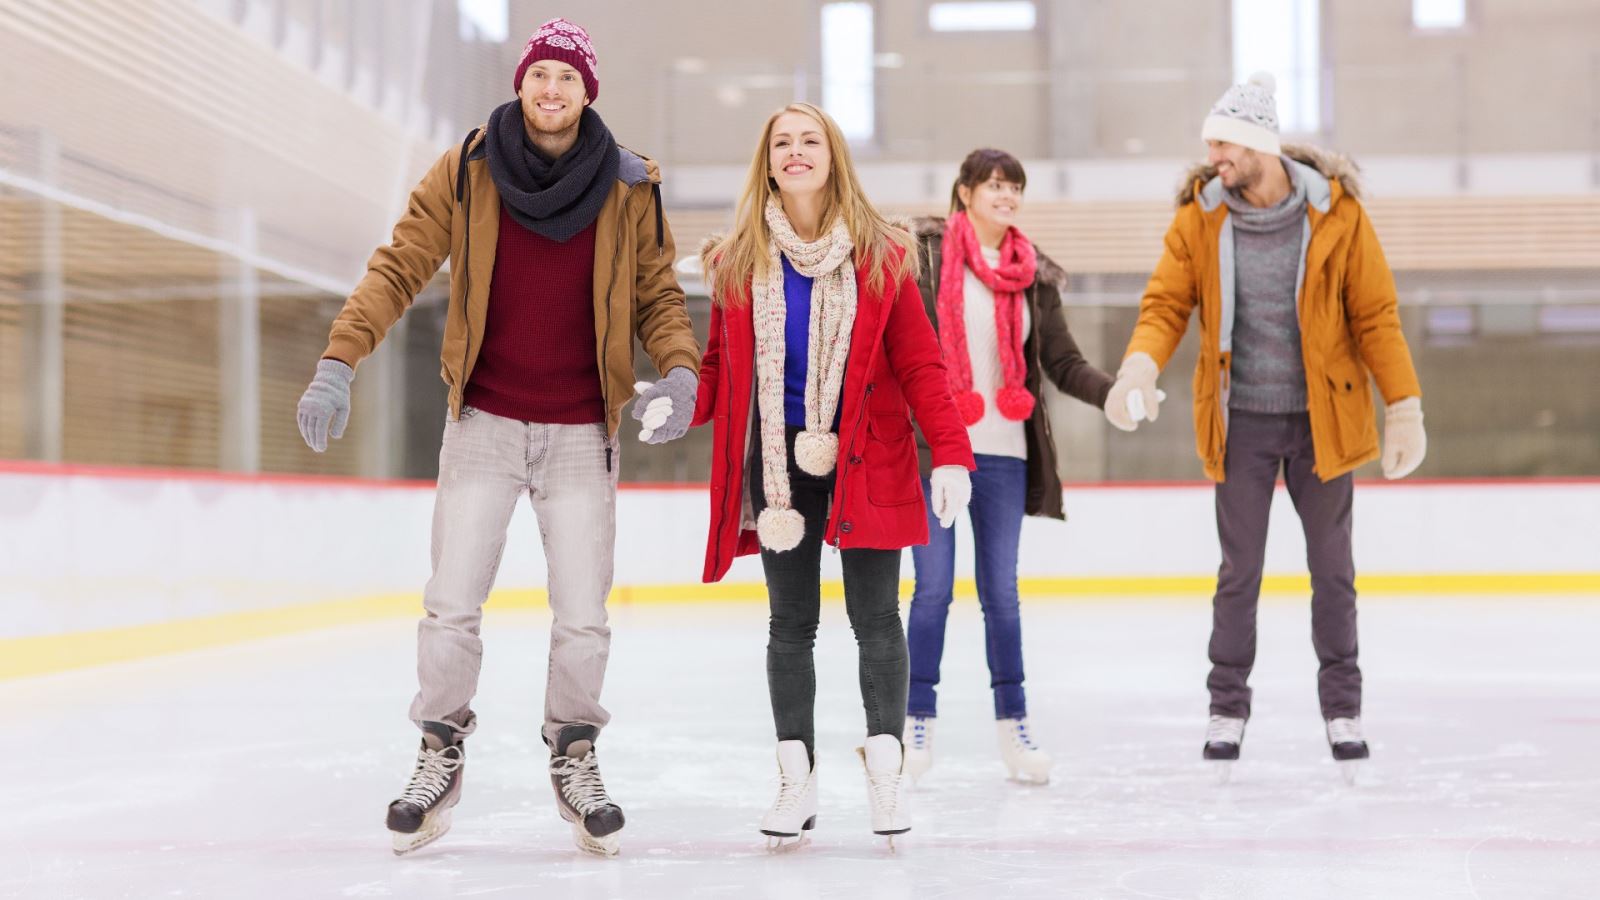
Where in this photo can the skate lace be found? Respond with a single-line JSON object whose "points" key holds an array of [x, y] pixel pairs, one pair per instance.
{"points": [[1344, 731], [1224, 729], [919, 734], [580, 782], [1020, 736], [431, 776], [790, 793], [885, 791]]}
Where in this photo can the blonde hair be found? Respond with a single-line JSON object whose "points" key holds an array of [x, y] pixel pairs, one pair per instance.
{"points": [[732, 262]]}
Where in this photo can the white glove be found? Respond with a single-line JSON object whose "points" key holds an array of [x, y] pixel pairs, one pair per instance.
{"points": [[655, 413], [1404, 441], [1136, 410], [951, 491], [1134, 392]]}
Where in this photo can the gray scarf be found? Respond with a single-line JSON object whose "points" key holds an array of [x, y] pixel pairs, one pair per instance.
{"points": [[554, 198]]}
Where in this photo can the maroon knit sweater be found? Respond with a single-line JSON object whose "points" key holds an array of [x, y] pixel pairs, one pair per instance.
{"points": [[538, 360]]}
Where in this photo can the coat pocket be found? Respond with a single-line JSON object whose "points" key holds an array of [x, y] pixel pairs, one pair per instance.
{"points": [[1354, 426], [890, 460], [1210, 433]]}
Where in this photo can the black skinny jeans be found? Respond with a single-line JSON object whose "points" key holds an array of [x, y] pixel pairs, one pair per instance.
{"points": [[794, 593]]}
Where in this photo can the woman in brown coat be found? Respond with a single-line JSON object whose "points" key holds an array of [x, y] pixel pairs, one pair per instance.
{"points": [[997, 305]]}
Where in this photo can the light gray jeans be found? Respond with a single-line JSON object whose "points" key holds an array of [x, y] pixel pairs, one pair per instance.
{"points": [[569, 472]]}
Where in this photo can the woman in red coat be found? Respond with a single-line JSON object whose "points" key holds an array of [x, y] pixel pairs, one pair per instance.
{"points": [[820, 351]]}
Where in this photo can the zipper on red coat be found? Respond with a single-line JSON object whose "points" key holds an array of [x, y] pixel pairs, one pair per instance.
{"points": [[849, 460], [727, 456]]}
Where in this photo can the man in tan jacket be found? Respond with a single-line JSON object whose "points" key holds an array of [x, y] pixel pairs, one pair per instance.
{"points": [[560, 256], [1297, 308]]}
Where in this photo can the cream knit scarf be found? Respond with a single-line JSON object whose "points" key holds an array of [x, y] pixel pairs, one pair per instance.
{"points": [[829, 262]]}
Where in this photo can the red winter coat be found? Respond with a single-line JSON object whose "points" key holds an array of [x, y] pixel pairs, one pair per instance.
{"points": [[894, 370]]}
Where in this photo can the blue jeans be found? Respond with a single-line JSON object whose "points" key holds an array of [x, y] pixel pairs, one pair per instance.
{"points": [[999, 497]]}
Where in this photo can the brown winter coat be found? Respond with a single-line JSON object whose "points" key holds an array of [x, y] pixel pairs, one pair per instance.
{"points": [[1349, 322], [635, 290], [1049, 350]]}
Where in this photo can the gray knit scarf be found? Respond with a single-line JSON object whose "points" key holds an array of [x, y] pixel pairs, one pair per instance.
{"points": [[556, 198]]}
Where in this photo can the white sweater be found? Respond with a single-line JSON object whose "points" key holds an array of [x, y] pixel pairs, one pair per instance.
{"points": [[993, 434]]}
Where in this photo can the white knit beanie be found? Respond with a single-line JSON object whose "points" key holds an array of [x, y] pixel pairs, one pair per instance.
{"points": [[1246, 115]]}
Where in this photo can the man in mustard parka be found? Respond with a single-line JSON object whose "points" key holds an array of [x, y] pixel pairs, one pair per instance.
{"points": [[1297, 308]]}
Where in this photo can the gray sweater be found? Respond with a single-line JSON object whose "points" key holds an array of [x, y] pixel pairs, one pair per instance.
{"points": [[1268, 374]]}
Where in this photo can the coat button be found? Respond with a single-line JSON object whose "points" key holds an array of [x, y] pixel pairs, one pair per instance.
{"points": [[844, 527], [855, 460], [1347, 386]]}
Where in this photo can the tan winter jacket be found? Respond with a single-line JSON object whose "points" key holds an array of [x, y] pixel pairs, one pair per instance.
{"points": [[455, 211], [1349, 321]]}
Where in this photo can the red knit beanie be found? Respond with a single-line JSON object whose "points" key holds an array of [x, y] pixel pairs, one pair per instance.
{"points": [[562, 41]]}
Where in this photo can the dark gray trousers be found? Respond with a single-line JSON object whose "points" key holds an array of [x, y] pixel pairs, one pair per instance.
{"points": [[1259, 444], [794, 595]]}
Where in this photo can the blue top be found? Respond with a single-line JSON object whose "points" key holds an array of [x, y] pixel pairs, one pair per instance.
{"points": [[796, 341]]}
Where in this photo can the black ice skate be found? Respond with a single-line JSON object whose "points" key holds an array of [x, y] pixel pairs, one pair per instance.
{"points": [[1348, 746], [422, 814], [581, 795], [1224, 734]]}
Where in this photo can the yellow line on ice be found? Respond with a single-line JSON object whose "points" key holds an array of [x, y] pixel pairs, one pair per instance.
{"points": [[37, 655]]}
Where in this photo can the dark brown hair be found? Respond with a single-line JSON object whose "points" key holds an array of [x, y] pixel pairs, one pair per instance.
{"points": [[977, 168]]}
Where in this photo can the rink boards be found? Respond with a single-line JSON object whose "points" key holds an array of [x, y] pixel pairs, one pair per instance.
{"points": [[104, 565]]}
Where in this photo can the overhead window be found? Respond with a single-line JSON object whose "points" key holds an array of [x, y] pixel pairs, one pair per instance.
{"points": [[847, 68], [1439, 15], [997, 15], [483, 20], [1282, 37]]}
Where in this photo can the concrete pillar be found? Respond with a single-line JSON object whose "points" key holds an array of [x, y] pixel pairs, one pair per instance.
{"points": [[377, 406], [239, 348], [1080, 429], [43, 322]]}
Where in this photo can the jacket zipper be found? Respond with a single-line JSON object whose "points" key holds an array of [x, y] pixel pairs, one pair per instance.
{"points": [[605, 335], [466, 302], [838, 531]]}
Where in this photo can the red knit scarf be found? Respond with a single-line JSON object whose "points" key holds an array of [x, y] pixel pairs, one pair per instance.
{"points": [[1014, 274]]}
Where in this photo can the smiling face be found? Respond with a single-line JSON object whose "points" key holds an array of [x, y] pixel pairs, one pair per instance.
{"points": [[799, 160], [993, 202], [553, 96], [1240, 168]]}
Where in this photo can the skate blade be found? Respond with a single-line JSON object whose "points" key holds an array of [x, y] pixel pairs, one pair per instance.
{"points": [[787, 843], [606, 847], [1224, 770], [788, 840], [1349, 769], [1021, 776], [433, 828]]}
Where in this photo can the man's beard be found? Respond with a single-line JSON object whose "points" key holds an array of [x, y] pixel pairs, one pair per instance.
{"points": [[1246, 180], [534, 126]]}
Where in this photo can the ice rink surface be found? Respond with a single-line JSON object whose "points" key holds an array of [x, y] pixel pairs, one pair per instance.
{"points": [[263, 770]]}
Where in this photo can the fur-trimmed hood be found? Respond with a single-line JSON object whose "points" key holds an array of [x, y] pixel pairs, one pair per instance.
{"points": [[708, 244], [1332, 166], [930, 229]]}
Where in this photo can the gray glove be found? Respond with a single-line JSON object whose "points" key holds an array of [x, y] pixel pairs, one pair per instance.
{"points": [[664, 408], [325, 406]]}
